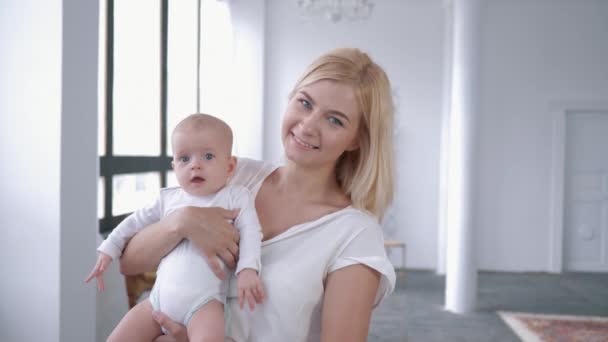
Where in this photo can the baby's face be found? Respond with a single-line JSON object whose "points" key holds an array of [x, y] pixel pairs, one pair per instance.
{"points": [[202, 160]]}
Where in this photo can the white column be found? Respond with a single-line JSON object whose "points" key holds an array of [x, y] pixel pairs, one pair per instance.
{"points": [[446, 108], [461, 268], [79, 169]]}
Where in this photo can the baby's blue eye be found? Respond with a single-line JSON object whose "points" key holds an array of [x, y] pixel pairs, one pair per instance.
{"points": [[209, 156], [335, 121], [184, 159]]}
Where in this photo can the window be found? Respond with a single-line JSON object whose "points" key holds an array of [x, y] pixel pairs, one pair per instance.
{"points": [[150, 78]]}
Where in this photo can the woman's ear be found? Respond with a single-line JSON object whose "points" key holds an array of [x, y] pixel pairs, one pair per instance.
{"points": [[353, 146]]}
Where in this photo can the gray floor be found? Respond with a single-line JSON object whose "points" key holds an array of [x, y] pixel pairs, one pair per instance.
{"points": [[414, 312]]}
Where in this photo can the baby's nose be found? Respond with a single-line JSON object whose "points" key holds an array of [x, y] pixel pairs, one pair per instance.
{"points": [[196, 163]]}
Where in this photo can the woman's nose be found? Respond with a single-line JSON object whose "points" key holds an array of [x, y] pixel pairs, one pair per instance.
{"points": [[309, 124]]}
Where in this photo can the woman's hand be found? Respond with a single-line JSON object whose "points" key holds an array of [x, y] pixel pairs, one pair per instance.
{"points": [[207, 228], [177, 332], [210, 230]]}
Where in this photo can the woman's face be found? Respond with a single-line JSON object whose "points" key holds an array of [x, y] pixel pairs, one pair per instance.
{"points": [[320, 123]]}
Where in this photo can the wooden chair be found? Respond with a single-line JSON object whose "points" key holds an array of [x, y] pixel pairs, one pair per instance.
{"points": [[138, 284], [388, 244]]}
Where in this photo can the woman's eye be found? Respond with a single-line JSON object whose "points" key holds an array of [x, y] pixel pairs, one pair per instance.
{"points": [[306, 103], [335, 121], [184, 159], [209, 156]]}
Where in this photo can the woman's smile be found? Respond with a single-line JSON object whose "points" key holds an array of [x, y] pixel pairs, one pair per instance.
{"points": [[303, 143]]}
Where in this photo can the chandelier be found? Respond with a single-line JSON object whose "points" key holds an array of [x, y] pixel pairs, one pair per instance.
{"points": [[336, 10]]}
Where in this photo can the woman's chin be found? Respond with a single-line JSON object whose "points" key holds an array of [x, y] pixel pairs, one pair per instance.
{"points": [[298, 158]]}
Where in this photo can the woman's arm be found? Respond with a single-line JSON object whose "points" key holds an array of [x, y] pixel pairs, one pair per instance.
{"points": [[207, 228], [347, 303], [148, 246]]}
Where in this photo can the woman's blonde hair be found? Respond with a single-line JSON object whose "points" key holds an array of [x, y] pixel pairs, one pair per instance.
{"points": [[367, 173]]}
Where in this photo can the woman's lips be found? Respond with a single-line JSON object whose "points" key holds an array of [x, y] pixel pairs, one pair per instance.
{"points": [[303, 143]]}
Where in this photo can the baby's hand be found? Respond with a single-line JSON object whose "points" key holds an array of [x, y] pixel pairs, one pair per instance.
{"points": [[250, 288], [103, 260]]}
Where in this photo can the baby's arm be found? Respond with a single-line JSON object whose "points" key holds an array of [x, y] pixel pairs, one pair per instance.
{"points": [[103, 261], [248, 281], [114, 244], [111, 248], [250, 288]]}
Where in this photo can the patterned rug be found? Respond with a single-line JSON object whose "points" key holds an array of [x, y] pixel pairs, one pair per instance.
{"points": [[556, 328]]}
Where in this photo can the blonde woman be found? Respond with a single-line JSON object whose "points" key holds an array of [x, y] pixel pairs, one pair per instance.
{"points": [[323, 262]]}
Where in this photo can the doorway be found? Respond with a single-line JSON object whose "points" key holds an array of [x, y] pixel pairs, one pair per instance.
{"points": [[585, 205]]}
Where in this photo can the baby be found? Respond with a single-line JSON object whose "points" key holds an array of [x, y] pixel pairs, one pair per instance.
{"points": [[186, 289]]}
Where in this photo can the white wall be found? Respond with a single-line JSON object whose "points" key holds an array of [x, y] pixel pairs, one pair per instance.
{"points": [[406, 38], [48, 203], [535, 54], [247, 90], [30, 100]]}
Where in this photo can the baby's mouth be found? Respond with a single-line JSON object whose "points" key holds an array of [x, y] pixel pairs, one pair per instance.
{"points": [[197, 179]]}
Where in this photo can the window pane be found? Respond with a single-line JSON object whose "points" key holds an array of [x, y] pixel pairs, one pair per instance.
{"points": [[101, 195], [133, 191], [171, 180], [181, 63], [217, 65], [136, 77]]}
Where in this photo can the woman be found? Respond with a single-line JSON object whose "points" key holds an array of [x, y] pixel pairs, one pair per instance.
{"points": [[323, 261]]}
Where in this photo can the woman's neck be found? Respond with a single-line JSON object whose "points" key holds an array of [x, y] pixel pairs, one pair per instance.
{"points": [[314, 184]]}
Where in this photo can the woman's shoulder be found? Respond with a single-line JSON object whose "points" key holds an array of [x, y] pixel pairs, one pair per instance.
{"points": [[365, 245], [249, 172], [360, 218], [349, 223], [248, 163], [366, 227]]}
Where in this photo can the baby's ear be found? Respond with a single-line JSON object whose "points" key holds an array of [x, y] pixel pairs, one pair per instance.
{"points": [[231, 165], [173, 165]]}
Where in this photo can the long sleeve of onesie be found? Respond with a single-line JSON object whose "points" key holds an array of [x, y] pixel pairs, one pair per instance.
{"points": [[250, 231], [117, 240]]}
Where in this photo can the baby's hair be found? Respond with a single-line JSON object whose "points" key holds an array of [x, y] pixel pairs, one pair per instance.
{"points": [[198, 121]]}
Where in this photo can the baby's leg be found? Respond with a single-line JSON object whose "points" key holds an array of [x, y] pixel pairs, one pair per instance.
{"points": [[207, 324], [137, 325]]}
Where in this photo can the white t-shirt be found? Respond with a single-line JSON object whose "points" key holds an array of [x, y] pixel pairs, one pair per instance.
{"points": [[296, 264]]}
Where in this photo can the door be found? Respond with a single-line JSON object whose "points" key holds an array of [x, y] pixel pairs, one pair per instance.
{"points": [[586, 192]]}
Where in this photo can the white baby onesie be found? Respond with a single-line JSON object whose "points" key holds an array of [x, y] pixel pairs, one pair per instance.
{"points": [[184, 281]]}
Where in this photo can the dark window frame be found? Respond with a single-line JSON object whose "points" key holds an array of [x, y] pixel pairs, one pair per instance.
{"points": [[111, 165]]}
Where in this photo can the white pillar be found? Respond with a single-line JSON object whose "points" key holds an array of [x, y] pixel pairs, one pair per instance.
{"points": [[461, 268], [446, 108]]}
